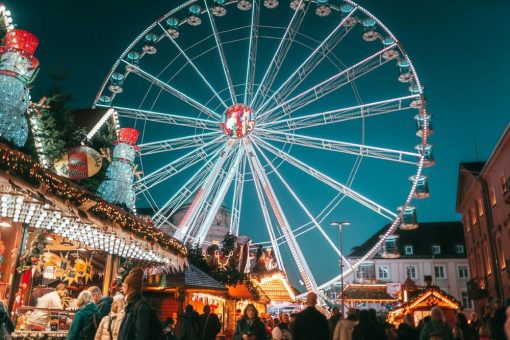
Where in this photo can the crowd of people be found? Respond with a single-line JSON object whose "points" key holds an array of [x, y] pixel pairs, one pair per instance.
{"points": [[128, 316]]}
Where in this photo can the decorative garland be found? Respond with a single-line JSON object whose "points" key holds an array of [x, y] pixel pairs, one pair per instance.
{"points": [[22, 166]]}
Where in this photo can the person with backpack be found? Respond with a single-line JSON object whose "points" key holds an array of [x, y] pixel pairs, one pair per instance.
{"points": [[210, 324], [109, 327], [189, 325], [140, 321], [86, 320]]}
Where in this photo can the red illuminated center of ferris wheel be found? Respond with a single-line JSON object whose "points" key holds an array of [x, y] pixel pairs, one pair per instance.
{"points": [[238, 121]]}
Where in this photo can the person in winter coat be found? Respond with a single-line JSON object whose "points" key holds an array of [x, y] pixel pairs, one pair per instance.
{"points": [[139, 322], [103, 303], [250, 327], [53, 300], [109, 327], [344, 327], [210, 324], [281, 330], [436, 327], [5, 319], [310, 323], [365, 329], [82, 319], [188, 324], [468, 332], [406, 330]]}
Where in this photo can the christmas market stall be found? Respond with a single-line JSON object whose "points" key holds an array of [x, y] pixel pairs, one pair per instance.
{"points": [[377, 296], [419, 302]]}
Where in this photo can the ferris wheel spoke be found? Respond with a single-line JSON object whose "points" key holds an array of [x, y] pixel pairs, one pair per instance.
{"points": [[176, 166], [342, 115], [327, 86], [384, 212], [178, 143], [173, 91], [342, 147], [301, 204], [280, 54], [219, 196], [164, 118], [192, 64], [295, 250], [314, 59], [187, 223], [267, 217], [252, 52], [237, 199], [221, 53]]}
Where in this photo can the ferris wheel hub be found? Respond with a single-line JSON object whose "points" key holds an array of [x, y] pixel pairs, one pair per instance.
{"points": [[238, 121]]}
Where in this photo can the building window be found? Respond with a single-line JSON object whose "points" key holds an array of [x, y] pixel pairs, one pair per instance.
{"points": [[501, 254], [459, 249], [504, 186], [436, 249], [463, 272], [480, 207], [466, 302], [492, 194], [466, 224], [408, 250], [485, 255], [440, 272], [412, 272], [383, 272], [473, 216]]}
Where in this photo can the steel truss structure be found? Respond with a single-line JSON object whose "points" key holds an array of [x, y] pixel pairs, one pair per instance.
{"points": [[223, 153]]}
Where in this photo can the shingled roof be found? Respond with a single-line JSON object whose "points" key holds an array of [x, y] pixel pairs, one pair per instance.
{"points": [[356, 292], [192, 277], [445, 234]]}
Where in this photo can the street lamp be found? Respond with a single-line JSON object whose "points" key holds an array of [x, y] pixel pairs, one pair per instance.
{"points": [[340, 224]]}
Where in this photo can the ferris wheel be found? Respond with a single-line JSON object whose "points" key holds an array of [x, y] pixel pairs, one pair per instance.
{"points": [[286, 112]]}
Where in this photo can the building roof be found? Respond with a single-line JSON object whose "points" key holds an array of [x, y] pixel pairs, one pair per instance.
{"points": [[371, 292], [445, 234], [275, 286], [192, 277], [473, 167]]}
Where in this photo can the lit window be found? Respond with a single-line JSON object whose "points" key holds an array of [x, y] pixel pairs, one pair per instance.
{"points": [[466, 224], [504, 186], [466, 301], [412, 272], [440, 272], [501, 254], [473, 216], [383, 272], [463, 272], [459, 249], [480, 207], [436, 249], [408, 250], [493, 197]]}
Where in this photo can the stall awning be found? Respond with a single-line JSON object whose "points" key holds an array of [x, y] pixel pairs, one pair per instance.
{"points": [[40, 198]]}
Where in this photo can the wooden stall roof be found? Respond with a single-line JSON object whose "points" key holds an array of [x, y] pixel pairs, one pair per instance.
{"points": [[369, 292]]}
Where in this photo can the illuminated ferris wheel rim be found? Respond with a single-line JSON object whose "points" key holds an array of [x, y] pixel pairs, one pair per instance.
{"points": [[256, 142]]}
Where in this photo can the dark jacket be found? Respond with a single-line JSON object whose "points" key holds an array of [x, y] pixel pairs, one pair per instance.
{"points": [[333, 320], [82, 316], [436, 328], [310, 325], [210, 325], [6, 320], [406, 332], [139, 319], [189, 328], [257, 329], [105, 305]]}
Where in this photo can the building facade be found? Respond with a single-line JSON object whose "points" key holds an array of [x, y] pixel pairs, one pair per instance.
{"points": [[434, 253], [483, 199]]}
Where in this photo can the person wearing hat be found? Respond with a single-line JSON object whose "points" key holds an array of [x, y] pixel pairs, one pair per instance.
{"points": [[140, 322]]}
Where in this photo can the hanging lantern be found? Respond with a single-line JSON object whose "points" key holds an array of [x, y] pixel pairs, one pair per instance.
{"points": [[422, 186], [133, 58], [390, 247], [172, 27], [218, 9], [421, 121], [244, 5], [323, 9], [409, 218], [116, 81], [346, 9], [428, 156], [369, 25], [271, 4], [391, 53], [150, 41], [404, 67], [297, 4], [194, 15]]}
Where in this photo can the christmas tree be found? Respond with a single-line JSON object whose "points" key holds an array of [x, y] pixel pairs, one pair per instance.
{"points": [[17, 71], [118, 186]]}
